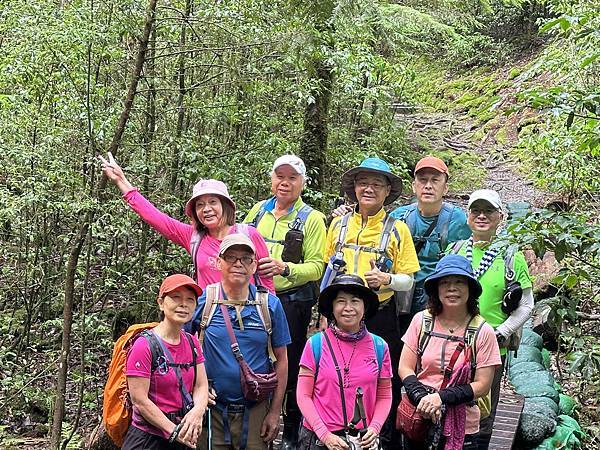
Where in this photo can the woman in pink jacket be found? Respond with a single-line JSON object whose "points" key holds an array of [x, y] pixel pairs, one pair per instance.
{"points": [[212, 215]]}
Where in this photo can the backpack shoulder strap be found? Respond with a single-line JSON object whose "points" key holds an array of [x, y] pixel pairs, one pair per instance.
{"points": [[471, 335], [210, 307], [157, 345], [341, 240], [386, 232], [156, 351], [316, 345], [445, 217], [301, 217], [262, 298], [427, 323], [410, 218], [379, 345], [259, 214], [457, 246], [195, 241], [509, 264], [194, 355], [243, 228]]}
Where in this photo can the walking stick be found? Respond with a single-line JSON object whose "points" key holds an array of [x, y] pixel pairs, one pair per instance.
{"points": [[209, 420]]}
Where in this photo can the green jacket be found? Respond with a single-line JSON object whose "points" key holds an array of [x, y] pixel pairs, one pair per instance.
{"points": [[311, 268]]}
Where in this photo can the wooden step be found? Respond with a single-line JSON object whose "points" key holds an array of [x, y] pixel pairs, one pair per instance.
{"points": [[506, 422]]}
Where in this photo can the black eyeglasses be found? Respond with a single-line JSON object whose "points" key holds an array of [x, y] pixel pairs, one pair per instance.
{"points": [[245, 260]]}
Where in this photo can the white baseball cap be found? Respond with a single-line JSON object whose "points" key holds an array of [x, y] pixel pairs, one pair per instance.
{"points": [[490, 196], [291, 160]]}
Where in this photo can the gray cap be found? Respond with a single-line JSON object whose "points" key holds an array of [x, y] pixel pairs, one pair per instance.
{"points": [[236, 239]]}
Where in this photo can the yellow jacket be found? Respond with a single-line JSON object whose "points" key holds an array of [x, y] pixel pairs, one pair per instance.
{"points": [[359, 240]]}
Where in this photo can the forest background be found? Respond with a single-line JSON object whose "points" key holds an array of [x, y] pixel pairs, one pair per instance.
{"points": [[184, 89]]}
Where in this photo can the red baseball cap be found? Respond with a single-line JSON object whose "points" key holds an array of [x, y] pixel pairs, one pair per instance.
{"points": [[178, 280], [432, 162]]}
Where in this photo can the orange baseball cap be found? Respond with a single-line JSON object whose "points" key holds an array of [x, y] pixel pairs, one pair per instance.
{"points": [[432, 162], [178, 280]]}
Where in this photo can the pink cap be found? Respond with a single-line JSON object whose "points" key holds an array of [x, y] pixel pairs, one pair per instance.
{"points": [[202, 187]]}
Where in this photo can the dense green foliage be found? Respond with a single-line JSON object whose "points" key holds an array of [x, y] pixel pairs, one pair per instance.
{"points": [[224, 90]]}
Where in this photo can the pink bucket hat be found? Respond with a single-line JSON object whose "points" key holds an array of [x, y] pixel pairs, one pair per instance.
{"points": [[214, 187]]}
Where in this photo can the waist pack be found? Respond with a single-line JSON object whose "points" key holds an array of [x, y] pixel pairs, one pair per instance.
{"points": [[256, 387]]}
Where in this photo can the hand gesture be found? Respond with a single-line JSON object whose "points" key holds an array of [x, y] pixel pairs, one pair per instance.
{"points": [[114, 173], [334, 442], [376, 278], [212, 396], [341, 210]]}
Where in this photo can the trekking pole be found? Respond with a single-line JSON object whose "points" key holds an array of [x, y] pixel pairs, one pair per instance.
{"points": [[209, 420], [209, 428]]}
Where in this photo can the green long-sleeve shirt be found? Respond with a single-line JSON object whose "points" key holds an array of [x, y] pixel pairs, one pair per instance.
{"points": [[273, 230]]}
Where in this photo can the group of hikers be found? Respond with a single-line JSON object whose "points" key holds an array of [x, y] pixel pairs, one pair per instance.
{"points": [[418, 307]]}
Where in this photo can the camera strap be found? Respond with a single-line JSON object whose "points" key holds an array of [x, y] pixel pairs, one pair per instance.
{"points": [[340, 381]]}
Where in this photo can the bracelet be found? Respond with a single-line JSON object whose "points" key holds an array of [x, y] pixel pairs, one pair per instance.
{"points": [[175, 432]]}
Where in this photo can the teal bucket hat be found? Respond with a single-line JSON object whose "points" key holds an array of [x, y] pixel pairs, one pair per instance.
{"points": [[372, 165]]}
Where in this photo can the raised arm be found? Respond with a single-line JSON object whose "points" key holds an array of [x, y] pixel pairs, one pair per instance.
{"points": [[172, 229], [114, 173]]}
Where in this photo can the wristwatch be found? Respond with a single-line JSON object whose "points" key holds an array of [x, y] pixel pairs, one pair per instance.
{"points": [[286, 271]]}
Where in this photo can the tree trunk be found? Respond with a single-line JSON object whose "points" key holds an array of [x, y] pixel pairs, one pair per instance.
{"points": [[181, 109], [61, 384], [313, 146]]}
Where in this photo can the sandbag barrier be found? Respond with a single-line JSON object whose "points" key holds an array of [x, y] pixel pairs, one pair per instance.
{"points": [[546, 421]]}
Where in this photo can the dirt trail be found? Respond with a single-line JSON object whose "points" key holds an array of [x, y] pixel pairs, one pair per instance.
{"points": [[454, 131]]}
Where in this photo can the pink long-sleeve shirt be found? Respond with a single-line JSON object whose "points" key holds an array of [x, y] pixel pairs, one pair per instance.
{"points": [[320, 401], [181, 234]]}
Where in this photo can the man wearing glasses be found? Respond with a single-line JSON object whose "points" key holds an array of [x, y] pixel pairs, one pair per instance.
{"points": [[507, 298], [370, 243], [237, 422]]}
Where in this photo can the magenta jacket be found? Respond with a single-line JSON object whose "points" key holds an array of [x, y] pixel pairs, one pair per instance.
{"points": [[181, 233]]}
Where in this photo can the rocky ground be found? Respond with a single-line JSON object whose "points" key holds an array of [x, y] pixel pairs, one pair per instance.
{"points": [[453, 131]]}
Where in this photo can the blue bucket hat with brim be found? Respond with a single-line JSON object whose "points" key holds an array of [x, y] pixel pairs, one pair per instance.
{"points": [[453, 265], [379, 167]]}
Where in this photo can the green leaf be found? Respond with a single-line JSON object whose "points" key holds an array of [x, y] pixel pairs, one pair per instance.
{"points": [[561, 21]]}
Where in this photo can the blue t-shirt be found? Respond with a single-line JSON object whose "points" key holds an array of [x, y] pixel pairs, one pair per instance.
{"points": [[430, 253], [221, 366]]}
